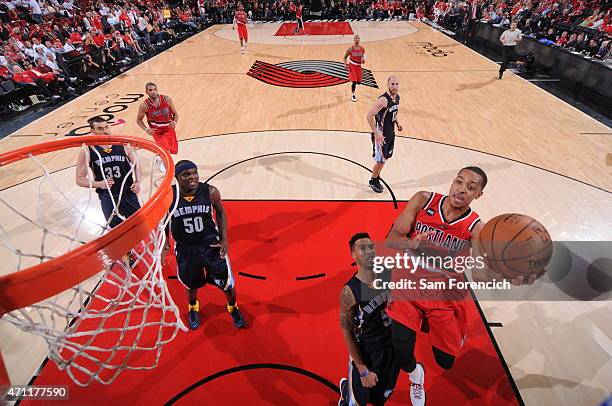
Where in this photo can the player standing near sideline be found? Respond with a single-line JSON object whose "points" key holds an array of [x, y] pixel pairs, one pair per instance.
{"points": [[240, 19], [299, 8]]}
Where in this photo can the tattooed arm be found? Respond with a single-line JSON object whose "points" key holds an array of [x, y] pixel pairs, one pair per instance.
{"points": [[347, 303]]}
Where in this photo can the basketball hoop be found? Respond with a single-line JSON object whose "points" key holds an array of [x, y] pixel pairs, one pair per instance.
{"points": [[99, 312]]}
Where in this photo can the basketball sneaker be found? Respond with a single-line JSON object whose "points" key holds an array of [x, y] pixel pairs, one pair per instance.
{"points": [[417, 386], [376, 186], [194, 315], [160, 164], [234, 311], [353, 97], [343, 391]]}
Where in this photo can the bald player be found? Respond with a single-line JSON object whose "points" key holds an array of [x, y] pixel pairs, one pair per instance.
{"points": [[382, 119], [356, 58]]}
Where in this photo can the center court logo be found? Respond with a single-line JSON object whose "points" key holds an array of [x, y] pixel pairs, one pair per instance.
{"points": [[306, 74]]}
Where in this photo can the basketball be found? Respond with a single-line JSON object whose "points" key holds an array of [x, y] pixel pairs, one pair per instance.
{"points": [[515, 245]]}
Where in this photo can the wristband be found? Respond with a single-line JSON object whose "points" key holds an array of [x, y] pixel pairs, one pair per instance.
{"points": [[364, 373]]}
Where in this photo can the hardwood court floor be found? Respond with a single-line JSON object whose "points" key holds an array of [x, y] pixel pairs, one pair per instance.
{"points": [[544, 158]]}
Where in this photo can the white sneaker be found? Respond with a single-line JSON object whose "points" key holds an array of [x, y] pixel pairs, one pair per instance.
{"points": [[160, 164], [417, 389], [354, 98], [242, 50]]}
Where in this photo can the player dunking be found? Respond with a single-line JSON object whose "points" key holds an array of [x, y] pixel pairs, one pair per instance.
{"points": [[162, 118], [117, 185], [382, 119], [366, 329], [356, 58], [201, 243], [438, 219], [240, 19]]}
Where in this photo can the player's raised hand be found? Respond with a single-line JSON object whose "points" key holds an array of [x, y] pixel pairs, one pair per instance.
{"points": [[223, 247], [370, 380]]}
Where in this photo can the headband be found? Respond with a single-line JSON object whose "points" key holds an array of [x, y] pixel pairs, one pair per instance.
{"points": [[183, 166]]}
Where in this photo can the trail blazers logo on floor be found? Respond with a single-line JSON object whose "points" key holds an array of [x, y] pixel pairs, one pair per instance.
{"points": [[306, 74]]}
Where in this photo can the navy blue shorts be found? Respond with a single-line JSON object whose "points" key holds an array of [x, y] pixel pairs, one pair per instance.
{"points": [[200, 265], [381, 361], [128, 205]]}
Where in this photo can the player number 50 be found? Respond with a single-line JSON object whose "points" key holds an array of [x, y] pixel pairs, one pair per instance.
{"points": [[193, 225]]}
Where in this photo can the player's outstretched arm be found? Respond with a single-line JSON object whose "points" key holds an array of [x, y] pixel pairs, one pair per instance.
{"points": [[347, 302], [220, 217], [405, 221]]}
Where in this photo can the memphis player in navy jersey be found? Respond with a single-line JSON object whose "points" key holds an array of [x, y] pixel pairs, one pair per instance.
{"points": [[201, 243], [382, 119], [111, 166], [367, 332]]}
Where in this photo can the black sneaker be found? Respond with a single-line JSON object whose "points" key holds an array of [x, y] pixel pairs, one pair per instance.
{"points": [[376, 186], [237, 317], [343, 391], [194, 316]]}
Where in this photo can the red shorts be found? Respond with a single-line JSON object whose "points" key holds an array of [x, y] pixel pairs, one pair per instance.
{"points": [[165, 137], [355, 73], [447, 321], [242, 32]]}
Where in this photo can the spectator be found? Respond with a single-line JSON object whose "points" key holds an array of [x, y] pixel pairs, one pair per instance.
{"points": [[563, 39]]}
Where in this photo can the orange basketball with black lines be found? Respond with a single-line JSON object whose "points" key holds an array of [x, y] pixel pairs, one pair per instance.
{"points": [[514, 245]]}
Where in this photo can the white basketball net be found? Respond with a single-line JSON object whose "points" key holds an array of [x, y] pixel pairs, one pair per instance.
{"points": [[120, 318]]}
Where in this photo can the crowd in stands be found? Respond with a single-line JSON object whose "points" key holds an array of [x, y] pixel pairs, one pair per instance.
{"points": [[577, 25], [56, 49]]}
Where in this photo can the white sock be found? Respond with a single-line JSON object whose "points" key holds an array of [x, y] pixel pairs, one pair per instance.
{"points": [[416, 376]]}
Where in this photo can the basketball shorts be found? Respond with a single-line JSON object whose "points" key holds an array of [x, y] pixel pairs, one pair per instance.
{"points": [[381, 153], [165, 137], [200, 265], [381, 360], [127, 206], [242, 32], [447, 321], [355, 73]]}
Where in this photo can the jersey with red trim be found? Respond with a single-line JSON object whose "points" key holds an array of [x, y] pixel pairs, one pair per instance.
{"points": [[298, 12], [158, 115], [241, 17], [453, 236], [356, 54]]}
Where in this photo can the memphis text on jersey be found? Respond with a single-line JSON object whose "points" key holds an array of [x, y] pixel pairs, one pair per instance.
{"points": [[110, 158], [194, 209]]}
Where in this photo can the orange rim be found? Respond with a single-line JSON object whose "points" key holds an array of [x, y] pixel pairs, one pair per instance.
{"points": [[37, 283]]}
